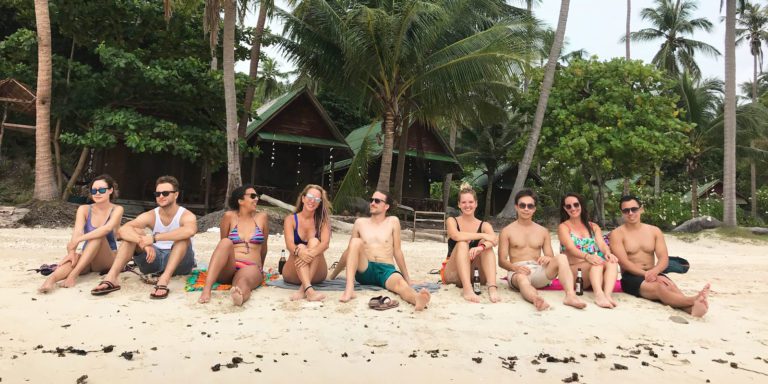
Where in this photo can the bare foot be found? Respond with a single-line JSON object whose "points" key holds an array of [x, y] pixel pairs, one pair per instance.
{"points": [[540, 304], [48, 286], [313, 295], [204, 297], [471, 297], [347, 296], [574, 301], [701, 305], [612, 300], [298, 295], [69, 282], [602, 301], [422, 299], [237, 296], [493, 294]]}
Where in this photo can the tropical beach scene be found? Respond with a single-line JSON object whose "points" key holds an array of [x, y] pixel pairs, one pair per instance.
{"points": [[377, 191]]}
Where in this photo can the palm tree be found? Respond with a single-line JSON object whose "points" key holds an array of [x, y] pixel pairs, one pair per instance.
{"points": [[265, 7], [45, 182], [672, 22], [753, 27], [403, 56], [627, 33], [729, 141], [538, 119], [269, 81]]}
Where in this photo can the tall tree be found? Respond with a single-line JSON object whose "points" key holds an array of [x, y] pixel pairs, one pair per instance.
{"points": [[729, 141], [45, 182], [672, 22], [398, 56], [752, 26], [234, 177], [538, 118], [265, 7], [627, 32]]}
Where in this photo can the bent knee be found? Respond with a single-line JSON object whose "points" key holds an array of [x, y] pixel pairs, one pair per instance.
{"points": [[355, 243], [313, 242], [462, 246], [225, 243]]}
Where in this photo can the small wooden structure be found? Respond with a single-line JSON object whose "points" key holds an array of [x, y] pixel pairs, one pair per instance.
{"points": [[714, 188], [19, 98], [297, 139], [428, 159]]}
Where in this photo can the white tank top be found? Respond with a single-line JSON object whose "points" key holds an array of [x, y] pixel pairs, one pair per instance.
{"points": [[160, 228]]}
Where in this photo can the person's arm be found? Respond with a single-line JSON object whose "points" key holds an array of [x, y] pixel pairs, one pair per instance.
{"points": [[546, 248], [111, 224], [187, 229], [398, 252], [224, 225], [487, 230], [452, 228], [662, 256], [77, 231], [563, 234], [504, 250], [617, 247], [131, 230], [325, 241], [262, 220], [601, 245]]}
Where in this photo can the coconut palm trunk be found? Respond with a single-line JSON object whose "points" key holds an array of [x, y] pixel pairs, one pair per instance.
{"points": [[729, 155], [449, 176], [752, 165], [45, 182], [402, 156], [234, 178], [254, 69], [388, 128], [538, 119], [628, 30]]}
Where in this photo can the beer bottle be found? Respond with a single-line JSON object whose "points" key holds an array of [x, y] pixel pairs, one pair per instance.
{"points": [[579, 283], [476, 282], [281, 263]]}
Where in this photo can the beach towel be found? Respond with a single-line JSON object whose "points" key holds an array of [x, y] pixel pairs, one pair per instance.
{"points": [[556, 286], [339, 285], [196, 280]]}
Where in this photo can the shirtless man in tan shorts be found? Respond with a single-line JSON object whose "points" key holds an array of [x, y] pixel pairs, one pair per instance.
{"points": [[521, 244], [374, 245], [643, 256]]}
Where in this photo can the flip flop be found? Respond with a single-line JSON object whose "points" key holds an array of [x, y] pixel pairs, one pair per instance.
{"points": [[160, 296], [375, 301], [111, 287], [386, 303]]}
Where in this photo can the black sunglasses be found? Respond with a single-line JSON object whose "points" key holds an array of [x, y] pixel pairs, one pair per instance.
{"points": [[99, 190], [529, 206], [253, 196], [164, 193], [626, 211], [575, 205], [377, 200]]}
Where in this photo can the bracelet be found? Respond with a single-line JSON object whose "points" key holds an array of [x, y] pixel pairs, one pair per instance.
{"points": [[153, 239]]}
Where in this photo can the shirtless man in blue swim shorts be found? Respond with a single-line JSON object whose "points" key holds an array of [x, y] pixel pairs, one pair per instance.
{"points": [[642, 254], [373, 249]]}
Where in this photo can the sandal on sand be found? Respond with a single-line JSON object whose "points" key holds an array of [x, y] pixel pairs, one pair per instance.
{"points": [[385, 303], [103, 291], [160, 296], [374, 302]]}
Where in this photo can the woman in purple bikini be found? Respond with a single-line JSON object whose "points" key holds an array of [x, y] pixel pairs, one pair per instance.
{"points": [[95, 227], [239, 257], [307, 235]]}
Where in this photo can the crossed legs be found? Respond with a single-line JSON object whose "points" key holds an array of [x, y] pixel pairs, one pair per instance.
{"points": [[96, 256], [307, 274]]}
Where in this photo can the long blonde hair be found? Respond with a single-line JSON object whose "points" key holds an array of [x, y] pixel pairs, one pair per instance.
{"points": [[322, 213]]}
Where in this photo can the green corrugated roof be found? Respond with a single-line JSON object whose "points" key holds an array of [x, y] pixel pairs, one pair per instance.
{"points": [[355, 140], [266, 111], [293, 139], [616, 186]]}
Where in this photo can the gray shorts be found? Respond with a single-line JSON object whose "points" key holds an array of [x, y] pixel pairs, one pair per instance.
{"points": [[157, 266], [538, 276]]}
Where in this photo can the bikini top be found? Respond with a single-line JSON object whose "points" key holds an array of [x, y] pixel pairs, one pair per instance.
{"points": [[296, 238], [256, 238], [584, 244], [89, 227], [472, 244]]}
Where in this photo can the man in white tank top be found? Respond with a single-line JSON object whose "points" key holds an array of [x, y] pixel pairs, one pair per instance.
{"points": [[166, 252]]}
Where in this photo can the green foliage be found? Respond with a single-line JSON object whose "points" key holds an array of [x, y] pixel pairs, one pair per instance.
{"points": [[354, 183], [762, 201]]}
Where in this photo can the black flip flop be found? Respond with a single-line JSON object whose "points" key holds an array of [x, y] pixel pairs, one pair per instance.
{"points": [[161, 296], [101, 292]]}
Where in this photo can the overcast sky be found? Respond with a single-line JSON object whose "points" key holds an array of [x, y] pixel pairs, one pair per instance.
{"points": [[597, 25]]}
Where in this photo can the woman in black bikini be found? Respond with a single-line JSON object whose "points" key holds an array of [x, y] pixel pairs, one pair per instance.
{"points": [[95, 226], [307, 234], [470, 248], [239, 257]]}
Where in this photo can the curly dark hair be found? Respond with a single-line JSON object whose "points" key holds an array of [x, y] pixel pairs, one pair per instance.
{"points": [[237, 194]]}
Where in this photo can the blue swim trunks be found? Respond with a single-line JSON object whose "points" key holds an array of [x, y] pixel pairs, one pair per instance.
{"points": [[376, 274]]}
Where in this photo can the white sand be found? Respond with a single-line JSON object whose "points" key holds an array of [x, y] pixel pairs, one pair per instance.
{"points": [[179, 340]]}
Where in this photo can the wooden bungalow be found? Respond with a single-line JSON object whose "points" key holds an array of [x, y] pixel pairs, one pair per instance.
{"points": [[428, 159], [714, 189], [19, 99], [297, 139]]}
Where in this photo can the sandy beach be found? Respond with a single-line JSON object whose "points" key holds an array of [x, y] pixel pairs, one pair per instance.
{"points": [[179, 340]]}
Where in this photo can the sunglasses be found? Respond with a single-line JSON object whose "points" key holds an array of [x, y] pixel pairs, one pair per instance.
{"points": [[626, 211], [524, 206], [312, 197], [99, 190], [375, 200], [574, 206], [164, 193], [253, 196]]}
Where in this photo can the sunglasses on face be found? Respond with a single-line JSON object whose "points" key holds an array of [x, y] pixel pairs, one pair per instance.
{"points": [[626, 211], [99, 190], [312, 197], [574, 206], [375, 200], [253, 196], [524, 206], [164, 193]]}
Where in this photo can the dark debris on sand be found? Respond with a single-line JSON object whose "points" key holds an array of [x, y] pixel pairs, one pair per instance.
{"points": [[237, 360], [82, 379], [573, 378], [508, 362], [48, 214]]}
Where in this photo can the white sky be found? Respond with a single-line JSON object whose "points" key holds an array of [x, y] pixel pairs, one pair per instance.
{"points": [[597, 25]]}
